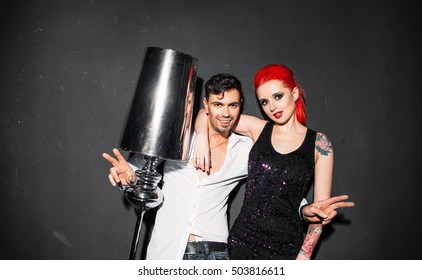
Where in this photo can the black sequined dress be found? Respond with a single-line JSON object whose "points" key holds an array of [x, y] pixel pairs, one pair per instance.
{"points": [[269, 225]]}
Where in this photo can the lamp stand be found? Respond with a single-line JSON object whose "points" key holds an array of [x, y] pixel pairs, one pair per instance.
{"points": [[143, 192]]}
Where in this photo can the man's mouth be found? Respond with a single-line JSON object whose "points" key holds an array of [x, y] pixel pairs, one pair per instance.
{"points": [[225, 122]]}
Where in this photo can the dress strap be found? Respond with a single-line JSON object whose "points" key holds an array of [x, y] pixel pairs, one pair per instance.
{"points": [[266, 132]]}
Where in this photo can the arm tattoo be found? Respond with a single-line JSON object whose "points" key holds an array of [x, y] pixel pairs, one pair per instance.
{"points": [[323, 144], [311, 239]]}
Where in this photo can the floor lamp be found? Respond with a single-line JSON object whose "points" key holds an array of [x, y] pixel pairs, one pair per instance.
{"points": [[158, 122]]}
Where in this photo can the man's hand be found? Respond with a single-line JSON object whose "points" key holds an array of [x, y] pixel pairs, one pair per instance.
{"points": [[324, 211], [121, 173]]}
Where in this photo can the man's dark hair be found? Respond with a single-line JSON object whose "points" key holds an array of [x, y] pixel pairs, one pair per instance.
{"points": [[220, 83]]}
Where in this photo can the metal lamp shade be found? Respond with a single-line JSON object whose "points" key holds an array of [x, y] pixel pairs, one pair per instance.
{"points": [[158, 123]]}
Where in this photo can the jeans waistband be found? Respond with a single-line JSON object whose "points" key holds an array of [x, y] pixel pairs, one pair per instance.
{"points": [[205, 247]]}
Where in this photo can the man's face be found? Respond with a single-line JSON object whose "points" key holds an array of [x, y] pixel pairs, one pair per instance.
{"points": [[223, 110]]}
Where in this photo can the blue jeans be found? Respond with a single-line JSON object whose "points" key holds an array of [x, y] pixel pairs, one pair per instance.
{"points": [[208, 256], [206, 251]]}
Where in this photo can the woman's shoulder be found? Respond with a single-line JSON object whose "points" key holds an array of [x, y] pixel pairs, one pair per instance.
{"points": [[323, 143], [318, 134]]}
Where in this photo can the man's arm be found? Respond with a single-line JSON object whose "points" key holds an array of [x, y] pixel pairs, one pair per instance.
{"points": [[123, 173]]}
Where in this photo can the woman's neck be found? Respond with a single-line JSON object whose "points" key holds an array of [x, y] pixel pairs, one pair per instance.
{"points": [[290, 127]]}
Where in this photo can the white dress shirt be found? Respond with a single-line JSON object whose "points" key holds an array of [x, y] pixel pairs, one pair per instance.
{"points": [[194, 206]]}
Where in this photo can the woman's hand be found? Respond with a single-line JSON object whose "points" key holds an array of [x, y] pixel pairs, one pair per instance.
{"points": [[201, 153]]}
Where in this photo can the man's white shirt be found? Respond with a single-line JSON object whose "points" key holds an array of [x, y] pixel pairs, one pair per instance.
{"points": [[194, 206]]}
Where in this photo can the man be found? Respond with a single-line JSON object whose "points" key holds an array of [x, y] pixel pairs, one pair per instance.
{"points": [[191, 223]]}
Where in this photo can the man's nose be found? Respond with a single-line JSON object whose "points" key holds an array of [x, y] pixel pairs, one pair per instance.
{"points": [[226, 111]]}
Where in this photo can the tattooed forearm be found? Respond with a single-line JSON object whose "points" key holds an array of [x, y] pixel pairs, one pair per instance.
{"points": [[323, 144], [311, 239]]}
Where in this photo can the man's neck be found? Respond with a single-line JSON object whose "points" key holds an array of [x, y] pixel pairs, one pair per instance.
{"points": [[217, 136]]}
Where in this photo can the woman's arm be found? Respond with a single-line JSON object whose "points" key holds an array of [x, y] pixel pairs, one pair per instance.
{"points": [[250, 126], [324, 162], [201, 150], [311, 239], [246, 125]]}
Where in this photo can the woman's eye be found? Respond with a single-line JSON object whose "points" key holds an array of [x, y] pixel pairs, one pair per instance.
{"points": [[264, 102], [278, 96]]}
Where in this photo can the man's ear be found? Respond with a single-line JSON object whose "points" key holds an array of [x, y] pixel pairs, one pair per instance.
{"points": [[205, 102]]}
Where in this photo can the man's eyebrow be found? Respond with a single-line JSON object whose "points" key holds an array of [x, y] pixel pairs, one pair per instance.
{"points": [[231, 103]]}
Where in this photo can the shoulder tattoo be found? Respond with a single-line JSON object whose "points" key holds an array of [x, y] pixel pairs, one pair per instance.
{"points": [[323, 144]]}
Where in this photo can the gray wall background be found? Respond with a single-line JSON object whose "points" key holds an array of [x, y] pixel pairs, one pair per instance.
{"points": [[69, 69]]}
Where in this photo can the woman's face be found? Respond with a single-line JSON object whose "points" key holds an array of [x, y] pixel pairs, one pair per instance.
{"points": [[277, 101]]}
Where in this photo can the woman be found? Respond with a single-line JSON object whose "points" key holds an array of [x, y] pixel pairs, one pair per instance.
{"points": [[285, 158]]}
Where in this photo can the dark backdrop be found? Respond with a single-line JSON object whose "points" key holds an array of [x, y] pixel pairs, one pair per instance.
{"points": [[69, 69]]}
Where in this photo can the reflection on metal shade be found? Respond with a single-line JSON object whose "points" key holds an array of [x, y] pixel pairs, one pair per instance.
{"points": [[159, 120]]}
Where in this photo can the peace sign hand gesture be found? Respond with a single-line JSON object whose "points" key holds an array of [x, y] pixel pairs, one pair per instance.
{"points": [[121, 173], [324, 211]]}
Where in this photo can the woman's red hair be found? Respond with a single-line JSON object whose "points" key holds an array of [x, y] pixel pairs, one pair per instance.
{"points": [[285, 75]]}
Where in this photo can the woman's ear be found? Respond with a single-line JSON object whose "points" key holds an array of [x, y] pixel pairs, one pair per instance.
{"points": [[295, 93]]}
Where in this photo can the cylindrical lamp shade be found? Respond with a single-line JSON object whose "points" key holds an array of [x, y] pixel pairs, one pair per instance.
{"points": [[159, 120]]}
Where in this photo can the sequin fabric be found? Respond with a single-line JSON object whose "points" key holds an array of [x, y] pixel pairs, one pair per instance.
{"points": [[269, 225]]}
